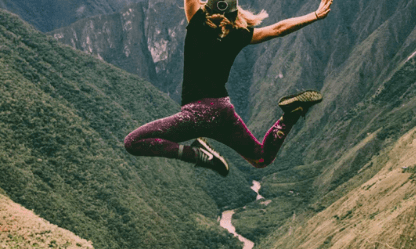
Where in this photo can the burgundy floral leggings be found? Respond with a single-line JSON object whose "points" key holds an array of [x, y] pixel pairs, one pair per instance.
{"points": [[213, 118]]}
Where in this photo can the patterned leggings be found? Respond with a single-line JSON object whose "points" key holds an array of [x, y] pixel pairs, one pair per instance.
{"points": [[213, 118]]}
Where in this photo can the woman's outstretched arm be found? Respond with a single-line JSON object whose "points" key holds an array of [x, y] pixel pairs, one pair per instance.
{"points": [[290, 25], [191, 7]]}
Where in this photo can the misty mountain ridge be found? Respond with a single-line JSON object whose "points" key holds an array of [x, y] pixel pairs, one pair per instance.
{"points": [[139, 39], [362, 58], [49, 15]]}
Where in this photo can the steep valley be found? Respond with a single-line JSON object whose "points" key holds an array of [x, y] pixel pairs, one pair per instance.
{"points": [[375, 213], [343, 179], [63, 119]]}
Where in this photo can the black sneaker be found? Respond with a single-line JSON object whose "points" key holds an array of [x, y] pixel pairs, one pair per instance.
{"points": [[209, 158], [300, 102]]}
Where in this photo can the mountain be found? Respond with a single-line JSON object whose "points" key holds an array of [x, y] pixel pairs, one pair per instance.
{"points": [[361, 57], [135, 39], [307, 192], [147, 39], [64, 116], [47, 15], [21, 228], [131, 34], [378, 213]]}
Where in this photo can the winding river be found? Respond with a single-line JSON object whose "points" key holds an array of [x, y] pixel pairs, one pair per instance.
{"points": [[227, 216]]}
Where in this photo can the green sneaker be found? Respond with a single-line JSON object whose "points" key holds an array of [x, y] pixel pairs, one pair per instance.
{"points": [[208, 158], [300, 102]]}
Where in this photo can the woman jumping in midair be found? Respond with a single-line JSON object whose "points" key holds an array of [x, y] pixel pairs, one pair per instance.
{"points": [[217, 31]]}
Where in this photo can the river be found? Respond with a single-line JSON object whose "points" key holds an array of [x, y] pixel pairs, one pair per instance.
{"points": [[256, 187], [227, 216]]}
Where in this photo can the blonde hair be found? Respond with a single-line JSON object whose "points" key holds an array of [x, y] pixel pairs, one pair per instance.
{"points": [[243, 20]]}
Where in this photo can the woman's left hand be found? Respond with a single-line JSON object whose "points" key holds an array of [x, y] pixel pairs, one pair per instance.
{"points": [[324, 9]]}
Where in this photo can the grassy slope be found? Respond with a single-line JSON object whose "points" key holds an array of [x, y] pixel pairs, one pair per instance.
{"points": [[362, 113], [108, 39], [378, 212], [63, 118], [337, 132], [21, 228], [322, 185], [347, 56]]}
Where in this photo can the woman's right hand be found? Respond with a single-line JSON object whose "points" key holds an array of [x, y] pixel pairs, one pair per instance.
{"points": [[324, 9]]}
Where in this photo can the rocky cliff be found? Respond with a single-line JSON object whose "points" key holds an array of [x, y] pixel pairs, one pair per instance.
{"points": [[48, 15], [145, 39], [362, 58], [63, 118]]}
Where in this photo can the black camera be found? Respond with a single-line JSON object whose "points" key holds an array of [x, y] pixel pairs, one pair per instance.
{"points": [[222, 6]]}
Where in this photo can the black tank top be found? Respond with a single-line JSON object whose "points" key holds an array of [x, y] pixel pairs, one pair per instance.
{"points": [[208, 59]]}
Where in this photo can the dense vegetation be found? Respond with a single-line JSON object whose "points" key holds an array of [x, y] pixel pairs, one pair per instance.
{"points": [[383, 118], [368, 78], [63, 118], [358, 57]]}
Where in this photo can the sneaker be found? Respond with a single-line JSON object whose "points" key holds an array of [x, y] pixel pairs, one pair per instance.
{"points": [[300, 102], [207, 157]]}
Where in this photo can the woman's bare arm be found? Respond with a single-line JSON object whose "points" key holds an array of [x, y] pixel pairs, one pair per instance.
{"points": [[290, 25], [191, 7]]}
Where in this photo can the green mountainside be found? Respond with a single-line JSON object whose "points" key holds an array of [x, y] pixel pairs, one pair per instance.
{"points": [[63, 118], [373, 212], [361, 57], [306, 190], [147, 39], [366, 72], [140, 39], [123, 40]]}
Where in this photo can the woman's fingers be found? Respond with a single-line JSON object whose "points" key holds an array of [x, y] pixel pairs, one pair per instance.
{"points": [[324, 9], [328, 4], [325, 4]]}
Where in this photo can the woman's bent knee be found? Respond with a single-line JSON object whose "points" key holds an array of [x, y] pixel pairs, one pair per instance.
{"points": [[128, 144]]}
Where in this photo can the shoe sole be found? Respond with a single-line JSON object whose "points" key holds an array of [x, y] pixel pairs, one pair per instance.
{"points": [[205, 145], [309, 97]]}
